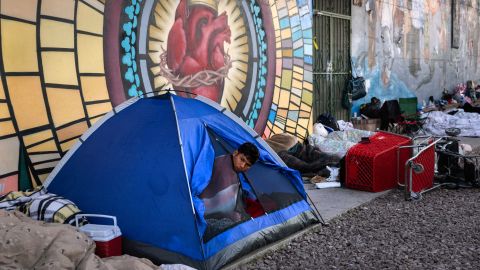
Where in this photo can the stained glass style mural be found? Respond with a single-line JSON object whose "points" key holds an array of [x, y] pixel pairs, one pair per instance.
{"points": [[260, 51], [66, 63], [52, 82]]}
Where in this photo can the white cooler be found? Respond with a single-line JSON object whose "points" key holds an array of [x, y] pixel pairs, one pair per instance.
{"points": [[108, 238]]}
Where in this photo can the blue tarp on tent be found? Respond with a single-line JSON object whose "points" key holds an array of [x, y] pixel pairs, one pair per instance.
{"points": [[147, 163]]}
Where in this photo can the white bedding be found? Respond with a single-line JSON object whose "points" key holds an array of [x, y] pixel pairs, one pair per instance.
{"points": [[337, 143], [468, 123]]}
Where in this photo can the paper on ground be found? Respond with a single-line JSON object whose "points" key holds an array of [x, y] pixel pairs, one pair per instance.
{"points": [[328, 184]]}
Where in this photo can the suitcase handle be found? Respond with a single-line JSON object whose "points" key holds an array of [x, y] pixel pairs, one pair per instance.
{"points": [[95, 215]]}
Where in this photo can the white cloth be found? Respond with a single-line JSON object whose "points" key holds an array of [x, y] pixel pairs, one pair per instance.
{"points": [[468, 123], [342, 125], [320, 130], [337, 143]]}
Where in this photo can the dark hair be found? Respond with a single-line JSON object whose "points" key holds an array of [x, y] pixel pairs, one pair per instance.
{"points": [[250, 151]]}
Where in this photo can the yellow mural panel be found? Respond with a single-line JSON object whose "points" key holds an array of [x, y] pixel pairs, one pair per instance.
{"points": [[43, 177], [307, 85], [297, 76], [286, 33], [276, 95], [97, 109], [276, 24], [65, 146], [291, 123], [59, 68], [301, 131], [95, 119], [278, 81], [280, 4], [56, 34], [278, 37], [94, 88], [304, 114], [298, 69], [6, 128], [287, 53], [305, 107], [19, 46], [160, 82], [24, 9], [59, 8], [274, 10], [307, 97], [292, 8], [65, 105], [72, 131], [2, 92], [284, 99], [44, 147], [303, 122], [277, 130], [27, 101], [282, 113], [89, 19], [286, 79], [294, 107], [90, 54], [297, 84], [37, 137], [4, 112]]}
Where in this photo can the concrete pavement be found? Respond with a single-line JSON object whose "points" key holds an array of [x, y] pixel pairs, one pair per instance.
{"points": [[332, 202]]}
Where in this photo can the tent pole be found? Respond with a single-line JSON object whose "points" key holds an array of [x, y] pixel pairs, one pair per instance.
{"points": [[316, 212], [186, 176]]}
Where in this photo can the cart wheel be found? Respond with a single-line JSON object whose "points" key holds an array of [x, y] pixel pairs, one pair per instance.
{"points": [[416, 196]]}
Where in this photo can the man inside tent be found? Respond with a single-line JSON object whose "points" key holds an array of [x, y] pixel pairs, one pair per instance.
{"points": [[223, 195]]}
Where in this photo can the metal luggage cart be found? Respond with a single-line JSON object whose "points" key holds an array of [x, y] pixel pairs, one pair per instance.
{"points": [[417, 176]]}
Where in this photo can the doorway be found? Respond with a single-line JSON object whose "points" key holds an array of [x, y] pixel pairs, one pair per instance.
{"points": [[331, 68]]}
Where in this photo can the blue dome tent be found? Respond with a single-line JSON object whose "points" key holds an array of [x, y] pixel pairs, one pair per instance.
{"points": [[147, 162]]}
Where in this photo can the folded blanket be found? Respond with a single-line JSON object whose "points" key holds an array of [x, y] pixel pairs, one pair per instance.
{"points": [[40, 205]]}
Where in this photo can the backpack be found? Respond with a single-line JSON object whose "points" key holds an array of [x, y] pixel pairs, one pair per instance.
{"points": [[355, 87], [328, 120]]}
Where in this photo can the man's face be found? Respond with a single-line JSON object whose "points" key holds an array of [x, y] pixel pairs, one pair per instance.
{"points": [[240, 162]]}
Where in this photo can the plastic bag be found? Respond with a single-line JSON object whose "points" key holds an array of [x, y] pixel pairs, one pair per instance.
{"points": [[320, 130], [334, 172]]}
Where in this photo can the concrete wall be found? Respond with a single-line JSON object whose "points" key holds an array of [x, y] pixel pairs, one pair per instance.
{"points": [[404, 47], [65, 63]]}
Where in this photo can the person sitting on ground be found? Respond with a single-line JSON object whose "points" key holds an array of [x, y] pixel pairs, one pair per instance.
{"points": [[221, 195]]}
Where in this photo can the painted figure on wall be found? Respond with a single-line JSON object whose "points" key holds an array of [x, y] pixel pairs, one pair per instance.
{"points": [[195, 49]]}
